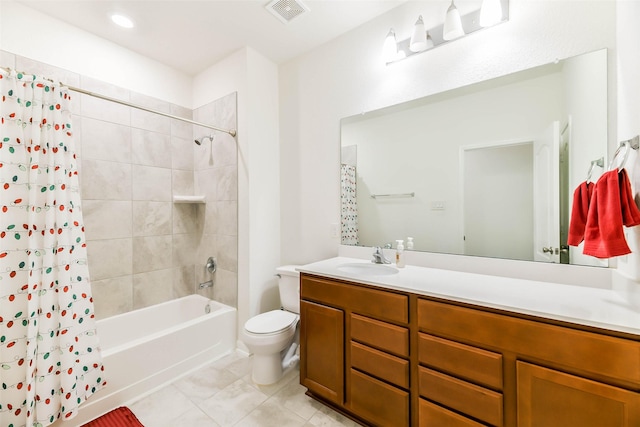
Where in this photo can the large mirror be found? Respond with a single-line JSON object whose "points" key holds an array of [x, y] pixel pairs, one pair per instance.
{"points": [[487, 170]]}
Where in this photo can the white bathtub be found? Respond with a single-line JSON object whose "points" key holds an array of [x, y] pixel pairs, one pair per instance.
{"points": [[149, 347]]}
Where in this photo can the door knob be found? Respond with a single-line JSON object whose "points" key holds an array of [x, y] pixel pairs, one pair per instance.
{"points": [[548, 250]]}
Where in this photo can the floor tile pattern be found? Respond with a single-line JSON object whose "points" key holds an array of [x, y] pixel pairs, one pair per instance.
{"points": [[222, 395]]}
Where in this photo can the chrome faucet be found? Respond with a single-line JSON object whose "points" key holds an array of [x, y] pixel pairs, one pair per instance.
{"points": [[378, 256]]}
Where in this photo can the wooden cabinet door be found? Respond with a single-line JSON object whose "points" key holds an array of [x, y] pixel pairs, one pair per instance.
{"points": [[549, 398], [322, 350]]}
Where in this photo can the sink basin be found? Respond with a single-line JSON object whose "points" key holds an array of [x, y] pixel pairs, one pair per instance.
{"points": [[367, 269]]}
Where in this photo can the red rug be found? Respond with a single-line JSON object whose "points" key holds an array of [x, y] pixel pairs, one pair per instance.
{"points": [[119, 417]]}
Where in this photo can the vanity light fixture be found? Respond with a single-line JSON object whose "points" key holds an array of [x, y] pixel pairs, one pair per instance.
{"points": [[490, 13], [452, 24]]}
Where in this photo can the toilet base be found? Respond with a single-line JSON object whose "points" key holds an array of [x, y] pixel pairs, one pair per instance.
{"points": [[267, 368]]}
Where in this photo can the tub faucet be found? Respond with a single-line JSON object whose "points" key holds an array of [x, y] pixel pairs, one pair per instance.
{"points": [[378, 256], [207, 284]]}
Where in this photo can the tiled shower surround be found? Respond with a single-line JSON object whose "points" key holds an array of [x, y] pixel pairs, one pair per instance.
{"points": [[144, 249]]}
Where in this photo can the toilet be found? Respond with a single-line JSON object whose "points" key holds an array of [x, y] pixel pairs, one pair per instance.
{"points": [[273, 336]]}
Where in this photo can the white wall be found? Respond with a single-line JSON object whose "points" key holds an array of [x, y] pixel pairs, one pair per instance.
{"points": [[347, 76], [628, 95]]}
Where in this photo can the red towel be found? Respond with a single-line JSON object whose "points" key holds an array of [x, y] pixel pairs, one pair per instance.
{"points": [[611, 207], [119, 417], [581, 200]]}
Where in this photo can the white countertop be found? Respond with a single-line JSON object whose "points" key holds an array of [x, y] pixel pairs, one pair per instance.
{"points": [[602, 308]]}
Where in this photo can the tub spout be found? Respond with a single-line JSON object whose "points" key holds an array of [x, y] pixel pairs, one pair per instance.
{"points": [[207, 284]]}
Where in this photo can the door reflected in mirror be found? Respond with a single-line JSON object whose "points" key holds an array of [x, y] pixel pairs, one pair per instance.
{"points": [[483, 170]]}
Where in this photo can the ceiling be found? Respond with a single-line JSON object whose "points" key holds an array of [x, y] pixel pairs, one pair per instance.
{"points": [[193, 35]]}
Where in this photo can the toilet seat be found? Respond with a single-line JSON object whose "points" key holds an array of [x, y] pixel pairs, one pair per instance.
{"points": [[271, 322]]}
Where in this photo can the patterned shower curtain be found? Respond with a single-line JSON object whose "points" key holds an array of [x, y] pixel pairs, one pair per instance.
{"points": [[50, 360], [349, 205]]}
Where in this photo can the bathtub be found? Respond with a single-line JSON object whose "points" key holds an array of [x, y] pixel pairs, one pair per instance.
{"points": [[147, 348]]}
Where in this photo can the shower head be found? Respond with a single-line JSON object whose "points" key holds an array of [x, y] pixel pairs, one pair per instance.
{"points": [[199, 141]]}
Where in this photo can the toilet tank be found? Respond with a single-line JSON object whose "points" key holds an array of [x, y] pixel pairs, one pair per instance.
{"points": [[289, 287]]}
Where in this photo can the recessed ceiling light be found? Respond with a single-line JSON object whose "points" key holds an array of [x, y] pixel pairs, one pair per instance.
{"points": [[122, 20]]}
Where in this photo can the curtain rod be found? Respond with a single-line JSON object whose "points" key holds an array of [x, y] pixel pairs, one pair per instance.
{"points": [[231, 132]]}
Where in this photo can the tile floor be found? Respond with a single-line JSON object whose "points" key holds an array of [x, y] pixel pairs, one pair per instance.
{"points": [[222, 394]]}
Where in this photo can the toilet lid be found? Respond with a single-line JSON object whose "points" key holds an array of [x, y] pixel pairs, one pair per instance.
{"points": [[270, 322]]}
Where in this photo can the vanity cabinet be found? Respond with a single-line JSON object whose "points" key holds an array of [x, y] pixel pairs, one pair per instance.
{"points": [[391, 358], [540, 374], [365, 333]]}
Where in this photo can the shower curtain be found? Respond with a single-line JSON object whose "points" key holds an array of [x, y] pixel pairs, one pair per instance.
{"points": [[349, 205], [50, 360]]}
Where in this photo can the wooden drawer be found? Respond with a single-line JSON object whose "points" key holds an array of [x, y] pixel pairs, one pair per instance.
{"points": [[463, 361], [477, 402], [602, 357], [381, 335], [377, 402], [432, 415], [382, 305], [380, 365]]}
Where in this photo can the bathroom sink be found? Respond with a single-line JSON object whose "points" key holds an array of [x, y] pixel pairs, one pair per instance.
{"points": [[367, 269]]}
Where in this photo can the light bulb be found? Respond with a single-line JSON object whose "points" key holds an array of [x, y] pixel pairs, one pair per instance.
{"points": [[418, 37], [452, 24], [390, 47]]}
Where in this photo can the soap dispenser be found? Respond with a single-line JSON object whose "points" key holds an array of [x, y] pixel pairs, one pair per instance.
{"points": [[400, 254]]}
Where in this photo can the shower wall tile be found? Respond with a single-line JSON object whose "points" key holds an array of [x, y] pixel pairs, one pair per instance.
{"points": [[184, 246], [184, 281], [151, 183], [227, 183], [206, 184], [179, 128], [228, 218], [105, 180], [185, 218], [182, 153], [112, 296], [151, 148], [152, 218], [225, 289], [228, 253], [225, 151], [147, 120], [7, 59], [152, 288], [110, 258], [151, 253], [182, 182], [105, 141], [210, 222], [101, 109], [107, 219]]}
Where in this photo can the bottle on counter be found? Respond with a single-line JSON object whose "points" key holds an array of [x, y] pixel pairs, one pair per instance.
{"points": [[410, 243], [400, 254]]}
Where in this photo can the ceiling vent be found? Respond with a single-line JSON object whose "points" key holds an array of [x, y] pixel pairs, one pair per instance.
{"points": [[287, 10]]}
